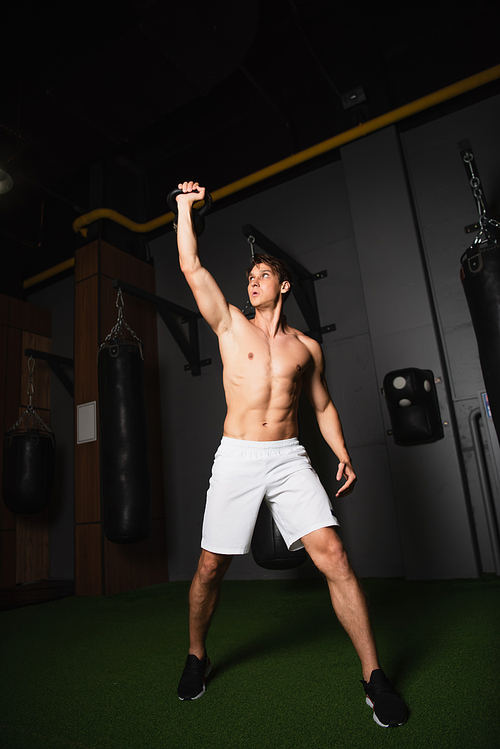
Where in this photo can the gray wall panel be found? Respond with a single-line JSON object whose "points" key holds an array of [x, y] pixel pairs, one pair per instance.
{"points": [[432, 510], [369, 527], [445, 205]]}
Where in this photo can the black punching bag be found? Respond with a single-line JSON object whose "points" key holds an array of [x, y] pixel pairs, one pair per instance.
{"points": [[28, 470], [480, 275], [125, 476], [269, 549], [413, 406]]}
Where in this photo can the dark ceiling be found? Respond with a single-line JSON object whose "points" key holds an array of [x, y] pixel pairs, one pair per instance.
{"points": [[110, 104]]}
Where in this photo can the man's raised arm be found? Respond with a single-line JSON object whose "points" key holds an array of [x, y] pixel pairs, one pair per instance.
{"points": [[209, 298]]}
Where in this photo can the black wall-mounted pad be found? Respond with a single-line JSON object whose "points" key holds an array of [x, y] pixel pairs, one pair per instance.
{"points": [[125, 474], [413, 406]]}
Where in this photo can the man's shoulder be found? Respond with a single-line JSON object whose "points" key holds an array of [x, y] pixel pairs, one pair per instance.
{"points": [[311, 344], [304, 338]]}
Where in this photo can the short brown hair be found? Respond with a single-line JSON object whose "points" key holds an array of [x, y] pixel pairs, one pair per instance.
{"points": [[277, 266]]}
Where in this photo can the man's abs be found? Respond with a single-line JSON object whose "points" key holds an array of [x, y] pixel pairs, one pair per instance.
{"points": [[259, 427]]}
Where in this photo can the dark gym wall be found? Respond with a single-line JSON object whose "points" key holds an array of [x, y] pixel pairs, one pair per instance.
{"points": [[59, 297], [353, 219], [445, 206], [432, 513], [410, 512]]}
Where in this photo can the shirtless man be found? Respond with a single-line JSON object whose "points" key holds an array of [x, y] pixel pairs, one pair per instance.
{"points": [[266, 365]]}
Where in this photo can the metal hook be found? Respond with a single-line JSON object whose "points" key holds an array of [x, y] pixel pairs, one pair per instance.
{"points": [[251, 242], [117, 330]]}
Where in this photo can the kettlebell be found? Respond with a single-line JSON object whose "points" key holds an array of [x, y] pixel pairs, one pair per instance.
{"points": [[198, 213]]}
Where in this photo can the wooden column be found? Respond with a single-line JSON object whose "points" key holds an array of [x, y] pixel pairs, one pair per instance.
{"points": [[24, 539], [102, 567]]}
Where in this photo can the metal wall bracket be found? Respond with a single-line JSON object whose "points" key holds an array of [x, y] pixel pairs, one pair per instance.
{"points": [[190, 348], [302, 286], [203, 363], [55, 363]]}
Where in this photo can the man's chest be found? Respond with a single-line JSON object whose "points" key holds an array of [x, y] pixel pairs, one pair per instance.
{"points": [[253, 355]]}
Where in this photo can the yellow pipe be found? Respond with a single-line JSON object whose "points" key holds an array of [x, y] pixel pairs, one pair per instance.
{"points": [[49, 273], [426, 102], [80, 224]]}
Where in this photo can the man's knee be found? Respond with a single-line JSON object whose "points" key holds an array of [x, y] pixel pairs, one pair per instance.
{"points": [[212, 567], [327, 552], [340, 560]]}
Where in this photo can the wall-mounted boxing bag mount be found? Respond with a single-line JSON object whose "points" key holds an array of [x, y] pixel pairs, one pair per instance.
{"points": [[413, 405]]}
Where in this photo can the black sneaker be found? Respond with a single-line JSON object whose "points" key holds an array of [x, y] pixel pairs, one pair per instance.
{"points": [[389, 710], [192, 683]]}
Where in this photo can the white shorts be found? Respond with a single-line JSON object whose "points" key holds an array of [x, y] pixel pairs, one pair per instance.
{"points": [[243, 474]]}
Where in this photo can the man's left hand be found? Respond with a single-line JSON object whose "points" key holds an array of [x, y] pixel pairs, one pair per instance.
{"points": [[346, 471]]}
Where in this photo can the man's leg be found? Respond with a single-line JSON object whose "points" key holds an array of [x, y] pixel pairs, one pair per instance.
{"points": [[203, 598], [327, 552]]}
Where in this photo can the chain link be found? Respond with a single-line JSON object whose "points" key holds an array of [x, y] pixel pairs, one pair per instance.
{"points": [[485, 221], [31, 369], [116, 331], [248, 309], [33, 419]]}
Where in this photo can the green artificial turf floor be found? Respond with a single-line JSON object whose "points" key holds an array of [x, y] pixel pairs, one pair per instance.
{"points": [[103, 672]]}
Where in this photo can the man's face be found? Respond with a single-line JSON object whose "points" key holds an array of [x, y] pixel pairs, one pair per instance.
{"points": [[263, 285]]}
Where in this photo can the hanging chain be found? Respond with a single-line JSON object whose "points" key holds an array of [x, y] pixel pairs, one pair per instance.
{"points": [[31, 389], [248, 309], [33, 419], [117, 330], [251, 242], [484, 220]]}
